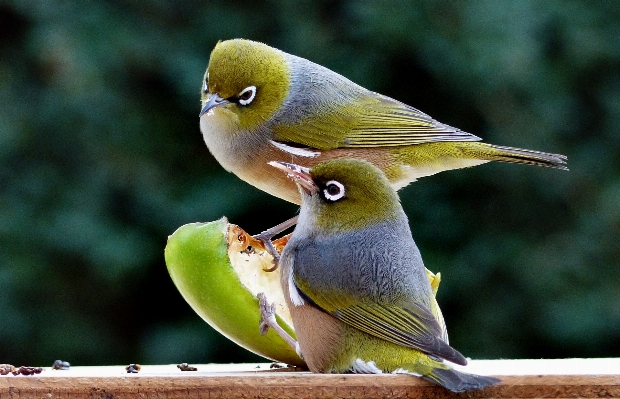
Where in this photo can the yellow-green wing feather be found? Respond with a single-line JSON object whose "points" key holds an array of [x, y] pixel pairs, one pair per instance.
{"points": [[412, 326], [369, 120]]}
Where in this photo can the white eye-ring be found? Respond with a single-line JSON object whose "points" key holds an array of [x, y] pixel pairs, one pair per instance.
{"points": [[333, 191], [247, 95]]}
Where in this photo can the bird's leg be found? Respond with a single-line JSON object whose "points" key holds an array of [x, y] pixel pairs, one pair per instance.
{"points": [[268, 320], [266, 236]]}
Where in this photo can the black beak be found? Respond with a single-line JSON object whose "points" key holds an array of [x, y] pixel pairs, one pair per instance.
{"points": [[299, 174], [212, 102]]}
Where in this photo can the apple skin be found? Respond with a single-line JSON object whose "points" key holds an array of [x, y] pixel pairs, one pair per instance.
{"points": [[198, 257]]}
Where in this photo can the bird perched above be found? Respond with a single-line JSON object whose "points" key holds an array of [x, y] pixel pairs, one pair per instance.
{"points": [[260, 104], [355, 284]]}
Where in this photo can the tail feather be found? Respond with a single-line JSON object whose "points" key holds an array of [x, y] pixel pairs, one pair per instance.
{"points": [[456, 381], [529, 157], [426, 159]]}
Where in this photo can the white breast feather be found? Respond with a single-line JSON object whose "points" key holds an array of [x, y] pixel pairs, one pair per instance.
{"points": [[293, 292]]}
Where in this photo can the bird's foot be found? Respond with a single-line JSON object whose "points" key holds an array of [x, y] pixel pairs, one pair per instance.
{"points": [[267, 314], [271, 249], [266, 236], [268, 320]]}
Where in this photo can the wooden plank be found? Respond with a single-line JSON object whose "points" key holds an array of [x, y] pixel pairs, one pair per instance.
{"points": [[567, 378]]}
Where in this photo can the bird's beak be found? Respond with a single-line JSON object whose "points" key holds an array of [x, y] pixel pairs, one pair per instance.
{"points": [[299, 174], [213, 101]]}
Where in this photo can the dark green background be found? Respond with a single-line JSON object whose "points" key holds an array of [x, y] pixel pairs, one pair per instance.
{"points": [[101, 158]]}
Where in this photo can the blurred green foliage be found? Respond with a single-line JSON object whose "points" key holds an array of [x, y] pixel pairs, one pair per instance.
{"points": [[101, 158]]}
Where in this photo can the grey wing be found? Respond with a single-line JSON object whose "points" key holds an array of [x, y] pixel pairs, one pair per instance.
{"points": [[373, 286]]}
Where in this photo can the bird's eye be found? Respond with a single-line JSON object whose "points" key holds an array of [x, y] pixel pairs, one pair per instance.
{"points": [[247, 95], [205, 84], [333, 191]]}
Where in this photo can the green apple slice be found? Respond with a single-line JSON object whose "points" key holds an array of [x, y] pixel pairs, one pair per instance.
{"points": [[219, 269]]}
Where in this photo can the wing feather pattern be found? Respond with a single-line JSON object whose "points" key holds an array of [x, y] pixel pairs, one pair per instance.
{"points": [[373, 121], [407, 324]]}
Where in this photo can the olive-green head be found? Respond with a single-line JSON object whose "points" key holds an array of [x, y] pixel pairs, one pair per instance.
{"points": [[247, 80], [343, 194]]}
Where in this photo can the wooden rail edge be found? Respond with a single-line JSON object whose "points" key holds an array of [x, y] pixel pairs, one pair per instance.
{"points": [[562, 378]]}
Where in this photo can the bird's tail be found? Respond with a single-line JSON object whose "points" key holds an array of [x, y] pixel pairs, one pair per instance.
{"points": [[456, 381], [420, 160], [515, 155]]}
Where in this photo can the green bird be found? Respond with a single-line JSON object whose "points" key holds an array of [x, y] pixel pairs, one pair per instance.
{"points": [[355, 284], [260, 104]]}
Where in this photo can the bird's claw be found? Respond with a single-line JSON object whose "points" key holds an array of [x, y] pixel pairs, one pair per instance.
{"points": [[265, 238], [268, 320], [267, 314]]}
